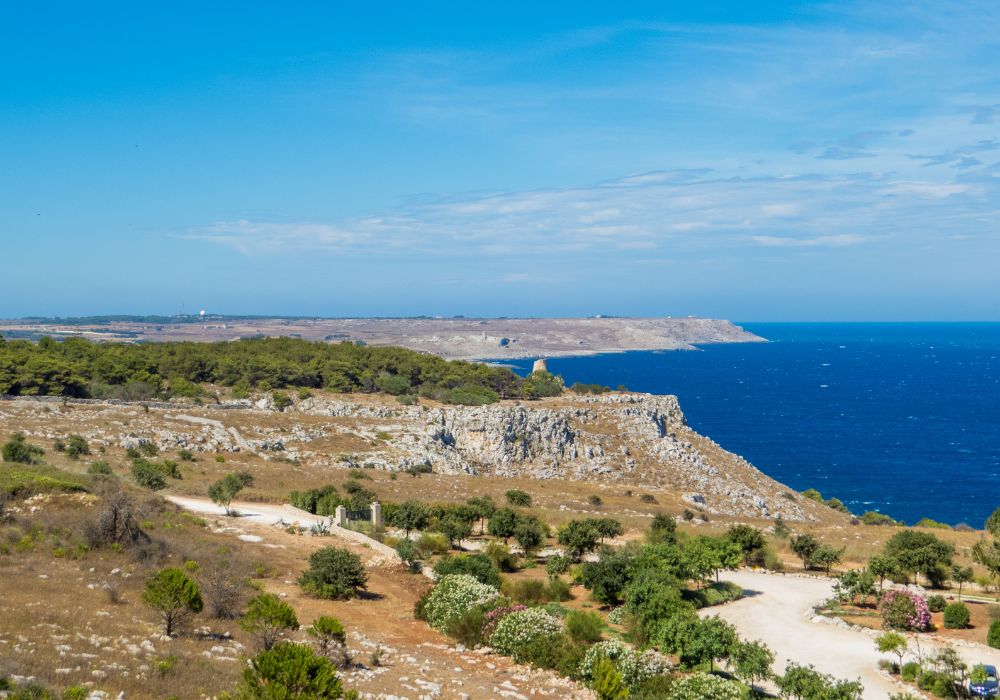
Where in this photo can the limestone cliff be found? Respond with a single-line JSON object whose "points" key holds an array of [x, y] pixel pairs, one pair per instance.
{"points": [[635, 441], [639, 440]]}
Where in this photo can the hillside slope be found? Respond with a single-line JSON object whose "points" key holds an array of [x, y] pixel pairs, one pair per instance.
{"points": [[632, 441]]}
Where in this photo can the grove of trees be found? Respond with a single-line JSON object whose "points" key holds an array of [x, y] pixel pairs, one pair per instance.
{"points": [[75, 367]]}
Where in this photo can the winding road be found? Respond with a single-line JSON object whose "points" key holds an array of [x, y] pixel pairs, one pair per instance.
{"points": [[778, 611]]}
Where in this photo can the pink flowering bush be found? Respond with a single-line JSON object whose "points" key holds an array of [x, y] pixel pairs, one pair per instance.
{"points": [[495, 615], [902, 610]]}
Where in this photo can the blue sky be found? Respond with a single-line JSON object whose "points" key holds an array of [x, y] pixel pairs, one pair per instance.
{"points": [[784, 161]]}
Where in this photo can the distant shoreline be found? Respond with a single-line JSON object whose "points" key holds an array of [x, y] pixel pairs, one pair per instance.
{"points": [[460, 338]]}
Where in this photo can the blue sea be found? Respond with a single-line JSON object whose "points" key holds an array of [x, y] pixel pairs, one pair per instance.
{"points": [[902, 418]]}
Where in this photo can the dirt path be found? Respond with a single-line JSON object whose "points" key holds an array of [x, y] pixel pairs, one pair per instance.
{"points": [[262, 513], [778, 612]]}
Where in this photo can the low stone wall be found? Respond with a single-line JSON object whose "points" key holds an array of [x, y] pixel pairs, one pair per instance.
{"points": [[297, 515], [227, 405]]}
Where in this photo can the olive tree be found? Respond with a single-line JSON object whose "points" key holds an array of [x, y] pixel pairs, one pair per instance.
{"points": [[411, 515], [892, 643], [805, 547], [578, 537], [223, 491], [502, 523], [752, 661], [748, 538]]}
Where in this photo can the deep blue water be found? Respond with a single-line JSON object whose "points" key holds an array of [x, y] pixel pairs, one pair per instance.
{"points": [[899, 418]]}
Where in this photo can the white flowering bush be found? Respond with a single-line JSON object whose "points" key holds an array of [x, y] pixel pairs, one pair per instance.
{"points": [[702, 686], [617, 616], [653, 663], [634, 668], [521, 627], [452, 596], [617, 652]]}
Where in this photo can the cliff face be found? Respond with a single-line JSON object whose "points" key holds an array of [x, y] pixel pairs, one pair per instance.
{"points": [[638, 440]]}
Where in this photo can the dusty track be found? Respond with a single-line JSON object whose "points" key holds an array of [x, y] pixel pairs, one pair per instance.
{"points": [[778, 612]]}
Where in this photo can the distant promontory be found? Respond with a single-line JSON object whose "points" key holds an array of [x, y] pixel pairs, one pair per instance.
{"points": [[452, 337]]}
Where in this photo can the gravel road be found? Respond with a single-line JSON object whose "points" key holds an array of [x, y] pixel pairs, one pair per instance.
{"points": [[778, 612]]}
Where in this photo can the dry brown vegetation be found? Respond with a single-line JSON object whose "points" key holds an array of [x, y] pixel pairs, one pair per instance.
{"points": [[73, 614], [77, 617]]}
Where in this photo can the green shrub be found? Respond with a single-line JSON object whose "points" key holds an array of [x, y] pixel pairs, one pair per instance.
{"points": [[77, 447], [872, 517], [555, 651], [76, 692], [956, 616], [268, 618], [927, 522], [433, 543], [943, 687], [527, 591], [334, 573], [148, 475], [554, 566], [328, 635], [174, 596], [410, 555], [633, 666], [714, 594], [663, 529], [936, 603], [606, 681], [813, 495], [148, 449], [579, 388], [653, 688], [909, 671], [281, 400], [170, 469], [517, 497], [20, 451], [185, 455], [559, 590], [584, 626], [993, 636], [501, 557], [478, 566], [467, 628], [289, 671], [99, 469]]}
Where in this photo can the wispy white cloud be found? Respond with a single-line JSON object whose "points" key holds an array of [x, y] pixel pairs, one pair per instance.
{"points": [[836, 241], [675, 213]]}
